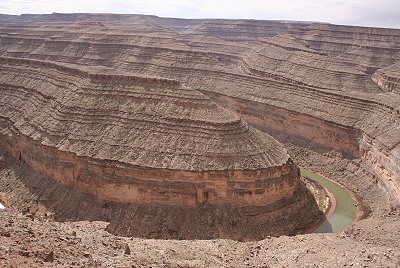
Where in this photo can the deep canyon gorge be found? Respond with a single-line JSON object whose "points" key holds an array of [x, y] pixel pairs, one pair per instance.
{"points": [[194, 129]]}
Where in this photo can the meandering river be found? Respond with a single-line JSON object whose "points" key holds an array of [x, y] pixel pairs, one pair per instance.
{"points": [[345, 210]]}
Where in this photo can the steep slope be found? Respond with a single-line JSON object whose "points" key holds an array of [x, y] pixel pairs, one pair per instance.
{"points": [[388, 78]]}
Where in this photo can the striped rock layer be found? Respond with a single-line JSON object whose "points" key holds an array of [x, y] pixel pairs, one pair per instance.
{"points": [[146, 141], [321, 86]]}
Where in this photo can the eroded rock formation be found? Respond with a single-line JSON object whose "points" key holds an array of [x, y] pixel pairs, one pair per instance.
{"points": [[147, 141], [326, 87]]}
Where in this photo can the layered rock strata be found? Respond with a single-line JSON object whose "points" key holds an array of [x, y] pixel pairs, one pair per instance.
{"points": [[388, 78], [150, 142], [327, 87]]}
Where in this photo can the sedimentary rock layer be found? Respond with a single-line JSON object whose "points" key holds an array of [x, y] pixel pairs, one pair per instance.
{"points": [[205, 221], [388, 78], [139, 130], [322, 86], [149, 142], [311, 81]]}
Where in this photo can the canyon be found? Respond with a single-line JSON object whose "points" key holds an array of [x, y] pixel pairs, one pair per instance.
{"points": [[156, 118], [151, 142]]}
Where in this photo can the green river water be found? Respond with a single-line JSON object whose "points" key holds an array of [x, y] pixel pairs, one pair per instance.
{"points": [[345, 210]]}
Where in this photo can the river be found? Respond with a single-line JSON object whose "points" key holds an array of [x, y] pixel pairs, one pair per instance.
{"points": [[345, 210]]}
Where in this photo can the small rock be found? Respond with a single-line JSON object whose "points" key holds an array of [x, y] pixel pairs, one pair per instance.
{"points": [[24, 253], [127, 250], [49, 257], [86, 254], [5, 233], [25, 210]]}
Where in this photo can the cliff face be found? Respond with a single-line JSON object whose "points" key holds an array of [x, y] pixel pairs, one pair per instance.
{"points": [[388, 78], [322, 86]]}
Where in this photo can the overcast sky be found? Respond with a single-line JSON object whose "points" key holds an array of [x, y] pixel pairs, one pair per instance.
{"points": [[383, 13]]}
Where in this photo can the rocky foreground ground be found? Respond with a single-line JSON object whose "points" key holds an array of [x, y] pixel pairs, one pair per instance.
{"points": [[35, 243]]}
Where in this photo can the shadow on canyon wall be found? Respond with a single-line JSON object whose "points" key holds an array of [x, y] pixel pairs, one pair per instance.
{"points": [[29, 190]]}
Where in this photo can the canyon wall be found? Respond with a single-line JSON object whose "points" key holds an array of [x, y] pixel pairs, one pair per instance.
{"points": [[150, 142], [116, 181], [327, 87], [294, 127], [157, 220], [206, 175], [388, 78]]}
